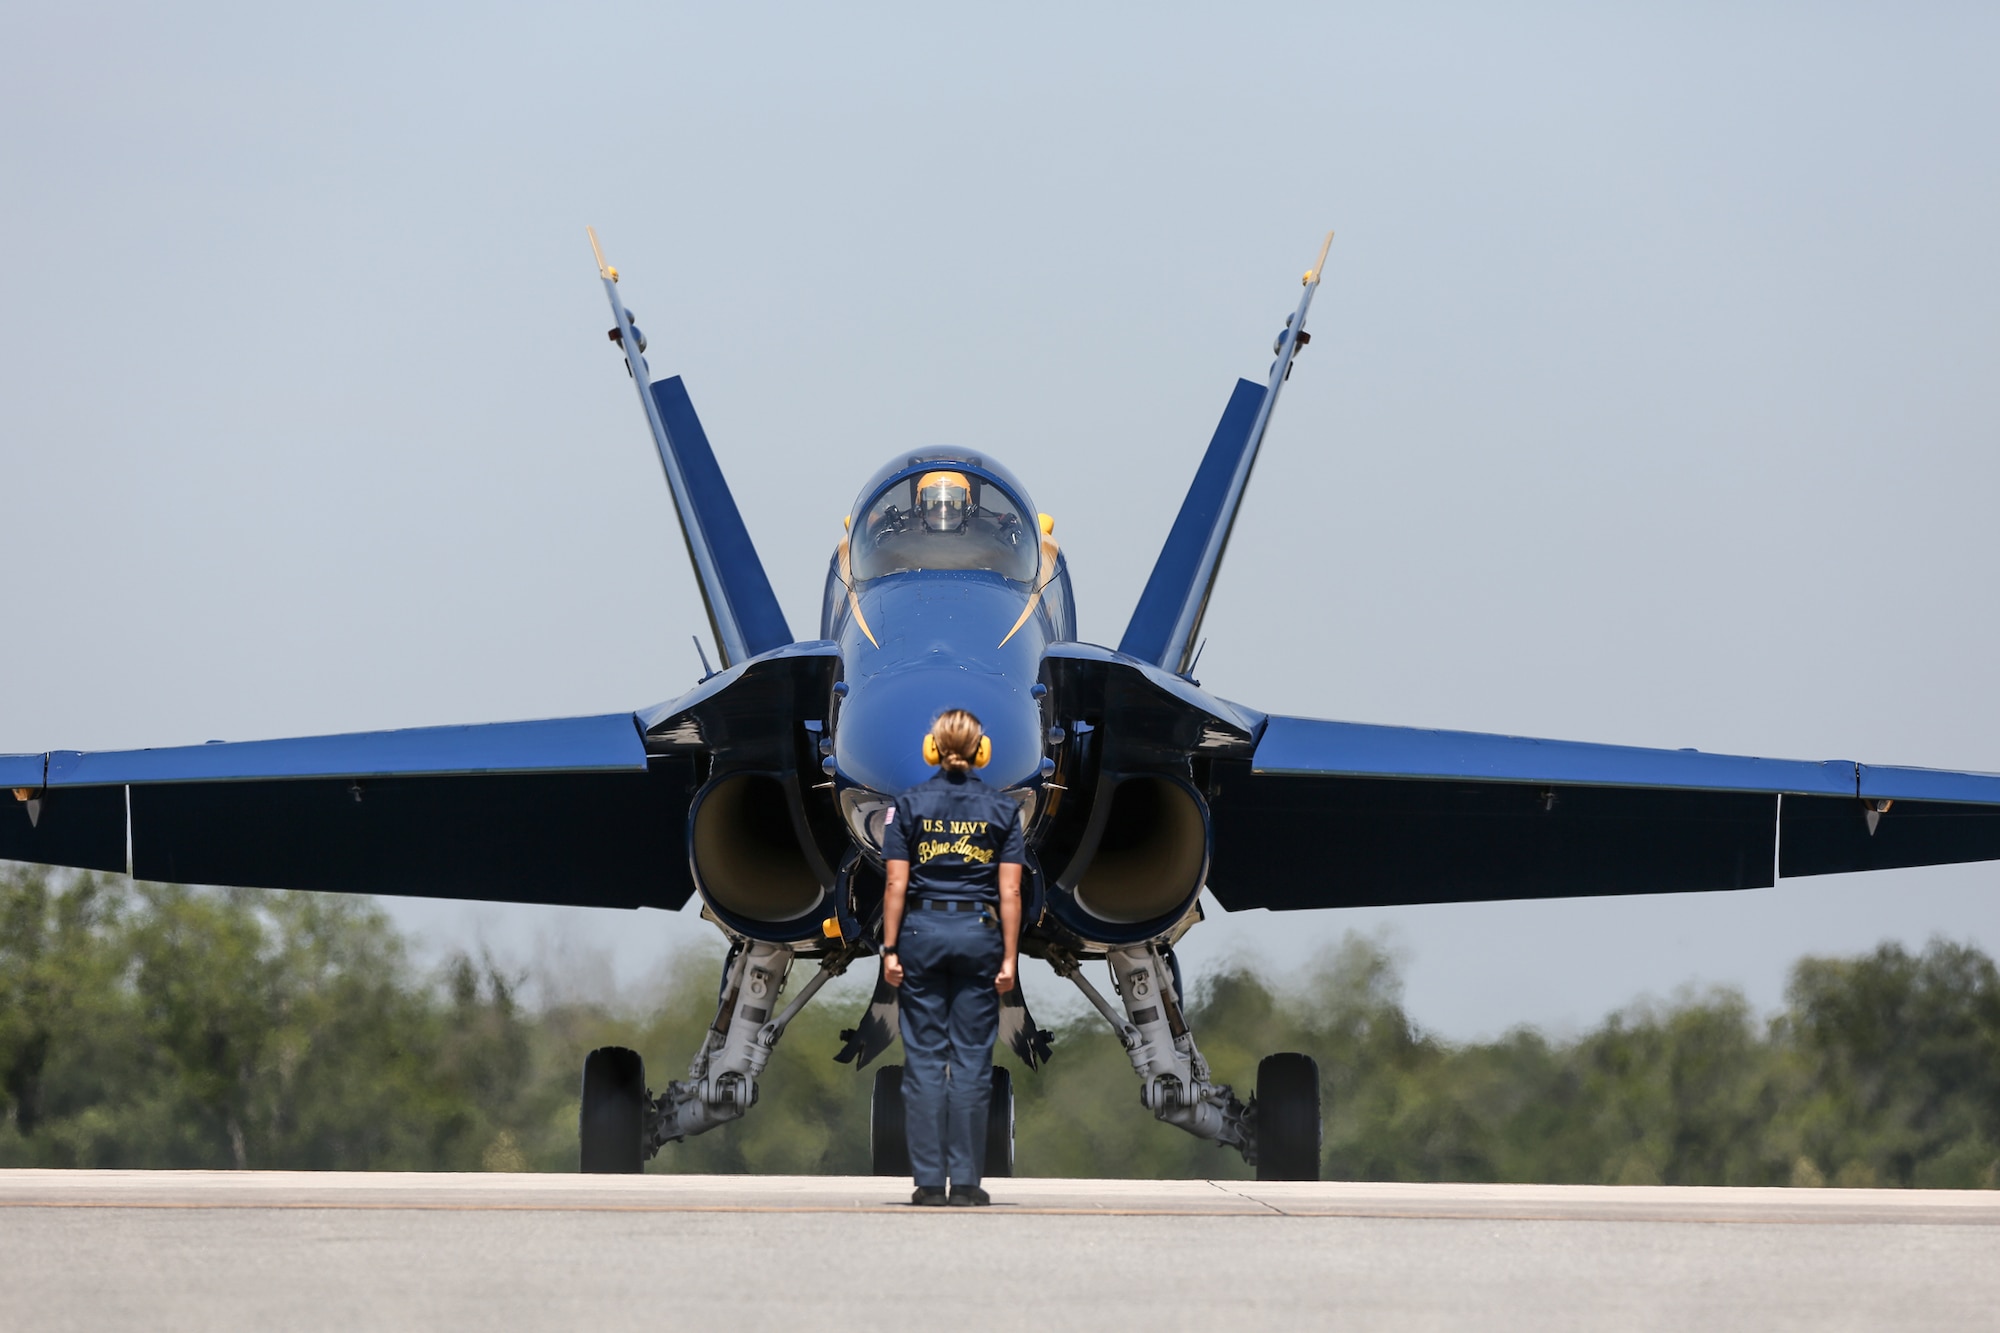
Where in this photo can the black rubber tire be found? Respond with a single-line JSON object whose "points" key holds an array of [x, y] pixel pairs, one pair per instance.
{"points": [[611, 1122], [1000, 1126], [1288, 1117], [888, 1136]]}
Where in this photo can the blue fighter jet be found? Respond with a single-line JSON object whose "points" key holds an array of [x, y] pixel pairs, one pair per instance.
{"points": [[764, 791]]}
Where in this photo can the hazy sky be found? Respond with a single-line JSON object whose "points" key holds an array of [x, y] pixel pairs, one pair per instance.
{"points": [[1652, 397]]}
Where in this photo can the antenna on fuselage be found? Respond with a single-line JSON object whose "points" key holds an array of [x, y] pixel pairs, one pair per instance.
{"points": [[706, 670], [1189, 673]]}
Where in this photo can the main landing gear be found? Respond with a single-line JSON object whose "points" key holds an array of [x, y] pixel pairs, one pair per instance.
{"points": [[621, 1123], [1278, 1132]]}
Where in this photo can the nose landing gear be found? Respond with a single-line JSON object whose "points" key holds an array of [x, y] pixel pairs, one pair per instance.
{"points": [[1286, 1114], [889, 1144]]}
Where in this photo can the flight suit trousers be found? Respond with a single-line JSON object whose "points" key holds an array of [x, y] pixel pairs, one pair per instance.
{"points": [[950, 1018]]}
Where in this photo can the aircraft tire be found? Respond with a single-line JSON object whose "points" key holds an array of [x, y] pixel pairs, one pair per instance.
{"points": [[888, 1141], [611, 1122], [1000, 1125], [1288, 1117]]}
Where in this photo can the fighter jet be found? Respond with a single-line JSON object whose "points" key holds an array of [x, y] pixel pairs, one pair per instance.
{"points": [[764, 791]]}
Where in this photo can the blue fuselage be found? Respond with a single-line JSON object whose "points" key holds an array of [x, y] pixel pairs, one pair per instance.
{"points": [[915, 642]]}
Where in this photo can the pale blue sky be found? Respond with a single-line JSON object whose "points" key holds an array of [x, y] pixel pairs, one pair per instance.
{"points": [[1651, 399]]}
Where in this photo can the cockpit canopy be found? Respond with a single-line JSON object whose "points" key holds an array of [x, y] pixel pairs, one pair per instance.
{"points": [[944, 511]]}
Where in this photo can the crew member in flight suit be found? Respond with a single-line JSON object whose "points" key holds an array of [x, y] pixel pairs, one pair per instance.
{"points": [[951, 924]]}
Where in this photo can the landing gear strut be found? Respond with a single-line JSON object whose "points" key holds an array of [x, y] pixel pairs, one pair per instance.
{"points": [[722, 1080], [622, 1123], [1278, 1132]]}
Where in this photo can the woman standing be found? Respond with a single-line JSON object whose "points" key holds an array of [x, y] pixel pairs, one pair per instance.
{"points": [[951, 926]]}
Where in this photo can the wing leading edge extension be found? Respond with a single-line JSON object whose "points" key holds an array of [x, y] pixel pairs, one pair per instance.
{"points": [[1165, 624], [1340, 814], [743, 612]]}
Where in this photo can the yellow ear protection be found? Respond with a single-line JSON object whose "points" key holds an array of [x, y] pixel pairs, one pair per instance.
{"points": [[981, 757]]}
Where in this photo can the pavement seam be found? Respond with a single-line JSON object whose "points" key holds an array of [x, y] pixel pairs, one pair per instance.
{"points": [[1237, 1193]]}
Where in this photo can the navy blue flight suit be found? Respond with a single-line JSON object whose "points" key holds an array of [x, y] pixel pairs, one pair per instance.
{"points": [[956, 832]]}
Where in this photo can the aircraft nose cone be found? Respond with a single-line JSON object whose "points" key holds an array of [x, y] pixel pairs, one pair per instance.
{"points": [[878, 737]]}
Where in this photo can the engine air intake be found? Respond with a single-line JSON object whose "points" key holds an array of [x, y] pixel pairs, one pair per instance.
{"points": [[1150, 853], [747, 858]]}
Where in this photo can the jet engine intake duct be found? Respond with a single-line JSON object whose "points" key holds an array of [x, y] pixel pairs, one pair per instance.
{"points": [[748, 846], [1142, 861]]}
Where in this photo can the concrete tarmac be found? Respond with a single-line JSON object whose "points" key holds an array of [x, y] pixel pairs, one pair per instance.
{"points": [[496, 1253]]}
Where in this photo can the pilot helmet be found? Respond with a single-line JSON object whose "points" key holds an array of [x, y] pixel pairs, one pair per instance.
{"points": [[944, 499]]}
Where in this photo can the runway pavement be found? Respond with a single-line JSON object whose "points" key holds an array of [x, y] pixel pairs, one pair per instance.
{"points": [[218, 1250]]}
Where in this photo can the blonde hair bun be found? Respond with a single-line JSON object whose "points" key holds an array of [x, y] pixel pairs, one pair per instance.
{"points": [[957, 742]]}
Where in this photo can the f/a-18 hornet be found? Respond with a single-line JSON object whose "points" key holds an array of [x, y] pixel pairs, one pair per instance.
{"points": [[765, 788]]}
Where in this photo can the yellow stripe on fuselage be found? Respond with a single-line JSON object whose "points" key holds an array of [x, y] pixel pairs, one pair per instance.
{"points": [[1042, 577], [853, 598]]}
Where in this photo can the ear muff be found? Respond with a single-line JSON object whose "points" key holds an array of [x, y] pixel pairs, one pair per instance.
{"points": [[981, 757]]}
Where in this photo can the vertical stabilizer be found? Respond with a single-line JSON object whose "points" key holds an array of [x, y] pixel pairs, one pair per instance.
{"points": [[1168, 618], [743, 612]]}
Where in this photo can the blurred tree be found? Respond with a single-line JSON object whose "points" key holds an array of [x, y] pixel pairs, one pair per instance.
{"points": [[159, 1026], [1897, 1060], [68, 1036]]}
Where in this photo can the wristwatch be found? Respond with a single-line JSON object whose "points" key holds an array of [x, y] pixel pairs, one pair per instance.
{"points": [[887, 951]]}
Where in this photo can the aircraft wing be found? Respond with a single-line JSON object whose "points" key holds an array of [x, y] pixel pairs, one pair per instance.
{"points": [[1344, 814], [570, 811]]}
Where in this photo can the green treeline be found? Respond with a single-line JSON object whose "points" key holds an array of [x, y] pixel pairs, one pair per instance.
{"points": [[148, 1025]]}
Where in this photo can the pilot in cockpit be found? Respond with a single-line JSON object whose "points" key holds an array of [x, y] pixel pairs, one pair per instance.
{"points": [[953, 523], [944, 499]]}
